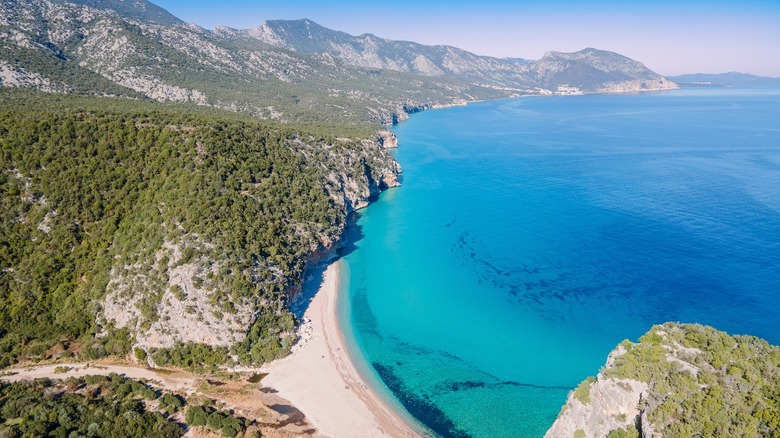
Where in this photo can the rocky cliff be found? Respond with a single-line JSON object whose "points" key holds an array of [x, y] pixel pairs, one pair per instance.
{"points": [[679, 380]]}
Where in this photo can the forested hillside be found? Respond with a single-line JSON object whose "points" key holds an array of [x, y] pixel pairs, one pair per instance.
{"points": [[110, 406], [155, 227]]}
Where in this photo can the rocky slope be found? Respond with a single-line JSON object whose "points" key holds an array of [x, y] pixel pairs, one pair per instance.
{"points": [[185, 308], [679, 380], [156, 227], [306, 36]]}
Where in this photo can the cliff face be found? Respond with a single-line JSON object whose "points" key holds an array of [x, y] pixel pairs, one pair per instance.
{"points": [[600, 406], [679, 380]]}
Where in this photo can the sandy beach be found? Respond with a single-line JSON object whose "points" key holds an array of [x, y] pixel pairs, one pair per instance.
{"points": [[321, 380]]}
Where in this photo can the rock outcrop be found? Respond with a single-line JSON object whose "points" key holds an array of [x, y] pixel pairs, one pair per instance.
{"points": [[388, 139], [679, 380]]}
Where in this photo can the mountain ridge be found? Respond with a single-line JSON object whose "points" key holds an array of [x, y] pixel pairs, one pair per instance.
{"points": [[282, 70], [593, 70]]}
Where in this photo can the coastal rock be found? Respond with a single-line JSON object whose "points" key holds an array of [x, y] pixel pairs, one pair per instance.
{"points": [[388, 139], [678, 380], [378, 171], [608, 404]]}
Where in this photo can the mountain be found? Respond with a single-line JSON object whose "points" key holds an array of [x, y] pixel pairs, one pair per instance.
{"points": [[679, 380], [592, 70], [731, 78], [589, 70], [306, 36]]}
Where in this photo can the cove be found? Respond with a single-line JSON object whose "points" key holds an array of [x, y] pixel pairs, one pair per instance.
{"points": [[532, 235]]}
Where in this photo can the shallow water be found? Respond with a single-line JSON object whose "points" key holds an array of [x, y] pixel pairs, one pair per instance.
{"points": [[532, 235]]}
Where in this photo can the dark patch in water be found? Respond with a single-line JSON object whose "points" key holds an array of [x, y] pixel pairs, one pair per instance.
{"points": [[419, 406], [453, 386]]}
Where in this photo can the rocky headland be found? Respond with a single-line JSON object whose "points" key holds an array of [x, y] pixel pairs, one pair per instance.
{"points": [[679, 380]]}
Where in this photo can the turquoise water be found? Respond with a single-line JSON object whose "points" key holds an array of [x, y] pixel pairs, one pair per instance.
{"points": [[532, 235]]}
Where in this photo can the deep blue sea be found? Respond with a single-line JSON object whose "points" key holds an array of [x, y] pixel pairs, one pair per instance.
{"points": [[532, 235]]}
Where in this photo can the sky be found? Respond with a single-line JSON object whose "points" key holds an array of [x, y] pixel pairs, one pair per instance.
{"points": [[669, 37]]}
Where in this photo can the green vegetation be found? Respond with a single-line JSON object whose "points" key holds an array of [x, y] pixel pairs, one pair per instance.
{"points": [[190, 356], [104, 406], [216, 420], [629, 432], [266, 340], [582, 392], [713, 385], [110, 406], [96, 199]]}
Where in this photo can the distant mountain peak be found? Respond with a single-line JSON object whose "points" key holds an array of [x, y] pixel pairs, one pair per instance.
{"points": [[592, 70]]}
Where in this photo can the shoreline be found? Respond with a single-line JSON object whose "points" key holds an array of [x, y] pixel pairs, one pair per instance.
{"points": [[321, 379]]}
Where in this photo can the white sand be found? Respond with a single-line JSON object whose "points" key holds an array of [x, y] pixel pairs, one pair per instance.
{"points": [[321, 380]]}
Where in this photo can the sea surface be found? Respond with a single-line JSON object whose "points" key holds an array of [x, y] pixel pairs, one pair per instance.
{"points": [[532, 235]]}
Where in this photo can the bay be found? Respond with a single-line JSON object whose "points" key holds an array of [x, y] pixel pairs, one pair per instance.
{"points": [[532, 235]]}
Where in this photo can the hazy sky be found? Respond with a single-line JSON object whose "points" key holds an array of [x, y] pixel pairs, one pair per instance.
{"points": [[670, 37]]}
